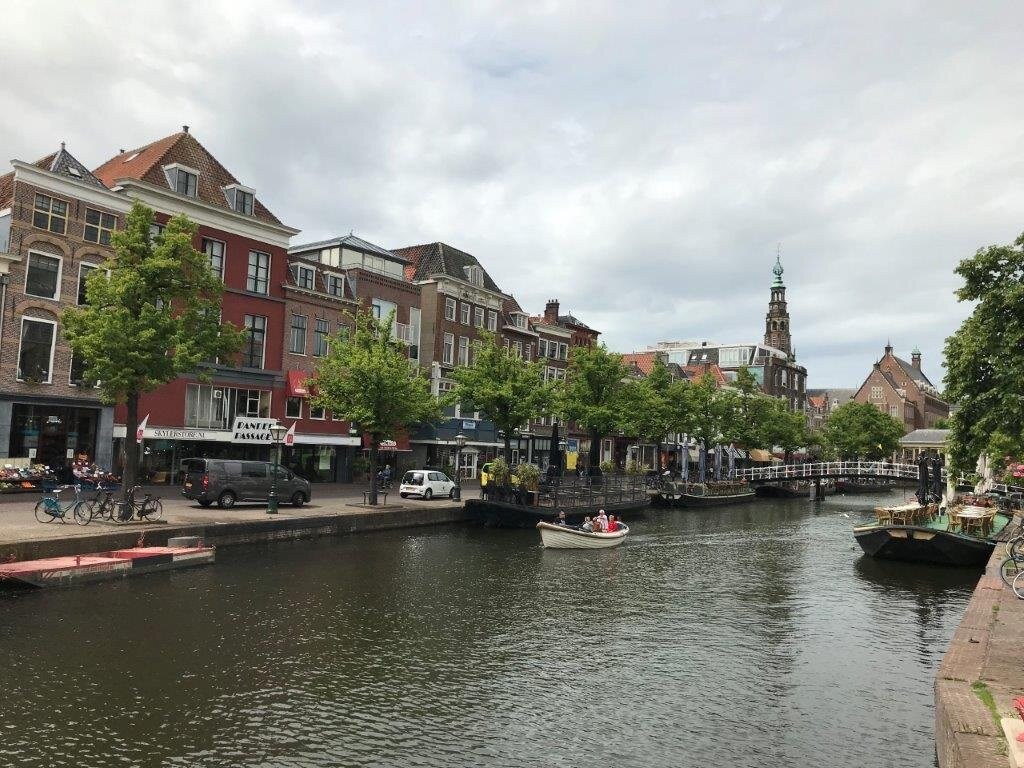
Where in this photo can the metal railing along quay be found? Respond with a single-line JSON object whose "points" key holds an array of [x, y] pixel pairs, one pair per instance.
{"points": [[571, 493]]}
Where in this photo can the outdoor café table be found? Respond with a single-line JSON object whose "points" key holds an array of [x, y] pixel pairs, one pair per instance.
{"points": [[981, 517]]}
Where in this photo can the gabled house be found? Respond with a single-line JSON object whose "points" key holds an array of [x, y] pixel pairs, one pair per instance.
{"points": [[902, 390]]}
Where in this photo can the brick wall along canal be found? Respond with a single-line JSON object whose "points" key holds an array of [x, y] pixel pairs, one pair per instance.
{"points": [[744, 636]]}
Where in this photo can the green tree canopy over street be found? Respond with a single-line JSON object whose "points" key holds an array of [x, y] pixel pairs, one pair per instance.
{"points": [[985, 358], [591, 395], [366, 379], [860, 430], [504, 388], [155, 317], [647, 409]]}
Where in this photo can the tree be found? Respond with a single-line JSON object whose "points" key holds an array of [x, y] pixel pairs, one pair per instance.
{"points": [[590, 397], [155, 317], [366, 379], [860, 430], [499, 384], [784, 427], [646, 408], [700, 410], [746, 412], [985, 359]]}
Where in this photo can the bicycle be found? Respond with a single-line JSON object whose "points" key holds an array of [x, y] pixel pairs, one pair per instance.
{"points": [[49, 508], [1018, 586], [100, 507], [149, 509]]}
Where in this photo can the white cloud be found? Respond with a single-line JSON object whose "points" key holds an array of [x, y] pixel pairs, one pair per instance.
{"points": [[638, 161]]}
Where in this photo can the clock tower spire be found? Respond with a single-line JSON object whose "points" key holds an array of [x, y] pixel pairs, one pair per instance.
{"points": [[776, 324]]}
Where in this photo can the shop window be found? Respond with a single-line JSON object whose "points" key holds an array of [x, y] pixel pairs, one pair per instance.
{"points": [[42, 277], [50, 214], [35, 356], [293, 408]]}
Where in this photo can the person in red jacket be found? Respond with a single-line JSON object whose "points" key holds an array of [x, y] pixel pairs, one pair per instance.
{"points": [[613, 524]]}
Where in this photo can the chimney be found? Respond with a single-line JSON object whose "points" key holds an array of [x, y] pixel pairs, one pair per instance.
{"points": [[551, 311], [915, 358], [184, 129]]}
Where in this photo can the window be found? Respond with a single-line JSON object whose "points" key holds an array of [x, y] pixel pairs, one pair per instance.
{"points": [[331, 257], [492, 320], [35, 357], [184, 182], [448, 352], [84, 270], [214, 249], [298, 346], [305, 277], [518, 349], [42, 278], [259, 272], [464, 313], [98, 226], [894, 411], [293, 408], [529, 351], [320, 333], [478, 317], [336, 285], [317, 412], [542, 348], [563, 351], [252, 353], [77, 372], [209, 407], [876, 393], [240, 200], [50, 214], [449, 309], [463, 350], [156, 231]]}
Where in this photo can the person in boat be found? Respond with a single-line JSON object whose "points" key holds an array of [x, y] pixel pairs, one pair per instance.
{"points": [[588, 524], [561, 519], [601, 522], [613, 524]]}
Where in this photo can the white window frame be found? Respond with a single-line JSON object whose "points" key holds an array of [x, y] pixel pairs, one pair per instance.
{"points": [[339, 279], [529, 352], [263, 345], [478, 317], [291, 330], [171, 173], [465, 309], [299, 269], [563, 351], [60, 275], [492, 320], [270, 262], [231, 194], [518, 349], [81, 265], [53, 346], [321, 417], [448, 349], [463, 348], [223, 254], [450, 311], [287, 400]]}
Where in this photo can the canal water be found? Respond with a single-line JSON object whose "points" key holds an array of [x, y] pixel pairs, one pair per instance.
{"points": [[747, 636]]}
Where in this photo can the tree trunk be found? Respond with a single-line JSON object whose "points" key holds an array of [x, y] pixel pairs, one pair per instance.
{"points": [[374, 448], [657, 458], [131, 444], [595, 452], [508, 449]]}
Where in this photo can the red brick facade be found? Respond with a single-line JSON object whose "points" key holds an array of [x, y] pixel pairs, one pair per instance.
{"points": [[902, 390]]}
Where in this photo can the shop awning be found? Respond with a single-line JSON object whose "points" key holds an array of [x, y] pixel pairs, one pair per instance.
{"points": [[759, 454], [297, 384], [401, 443]]}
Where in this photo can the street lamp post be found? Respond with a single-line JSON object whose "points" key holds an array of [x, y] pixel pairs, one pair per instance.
{"points": [[460, 443], [277, 433], [562, 445]]}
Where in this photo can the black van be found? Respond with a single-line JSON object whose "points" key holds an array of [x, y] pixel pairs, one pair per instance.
{"points": [[226, 481]]}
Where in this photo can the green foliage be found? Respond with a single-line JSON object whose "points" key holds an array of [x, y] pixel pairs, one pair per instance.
{"points": [[607, 466], [985, 358], [703, 410], [504, 388], [367, 379], [782, 427], [500, 472], [156, 317], [529, 476], [591, 395], [860, 430], [635, 468]]}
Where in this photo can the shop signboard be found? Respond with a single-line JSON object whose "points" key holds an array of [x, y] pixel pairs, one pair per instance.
{"points": [[252, 431], [469, 425]]}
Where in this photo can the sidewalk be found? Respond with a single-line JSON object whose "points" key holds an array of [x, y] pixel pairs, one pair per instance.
{"points": [[335, 508]]}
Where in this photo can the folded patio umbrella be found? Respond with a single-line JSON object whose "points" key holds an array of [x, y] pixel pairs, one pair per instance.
{"points": [[702, 462], [718, 462], [922, 480]]}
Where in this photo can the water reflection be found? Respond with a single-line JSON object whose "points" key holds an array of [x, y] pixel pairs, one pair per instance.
{"points": [[756, 635]]}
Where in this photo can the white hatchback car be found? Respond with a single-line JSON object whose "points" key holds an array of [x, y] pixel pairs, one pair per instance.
{"points": [[426, 483]]}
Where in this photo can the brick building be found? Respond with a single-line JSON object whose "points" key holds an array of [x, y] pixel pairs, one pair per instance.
{"points": [[902, 390], [328, 282], [247, 246], [55, 223]]}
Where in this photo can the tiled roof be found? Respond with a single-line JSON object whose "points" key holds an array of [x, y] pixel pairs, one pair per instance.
{"points": [[817, 401], [146, 164], [441, 258], [694, 372], [573, 320], [644, 361], [350, 241], [912, 372], [6, 189], [61, 162]]}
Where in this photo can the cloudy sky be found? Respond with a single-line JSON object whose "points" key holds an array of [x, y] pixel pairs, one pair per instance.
{"points": [[639, 161]]}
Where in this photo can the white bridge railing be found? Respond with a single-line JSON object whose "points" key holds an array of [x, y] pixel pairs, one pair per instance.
{"points": [[820, 469]]}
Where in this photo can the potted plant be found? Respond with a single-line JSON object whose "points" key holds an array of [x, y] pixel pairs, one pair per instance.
{"points": [[607, 467], [529, 480]]}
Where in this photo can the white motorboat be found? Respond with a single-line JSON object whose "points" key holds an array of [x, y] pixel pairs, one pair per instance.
{"points": [[563, 537]]}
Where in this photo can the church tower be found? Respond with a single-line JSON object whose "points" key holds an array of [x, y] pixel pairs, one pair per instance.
{"points": [[776, 323]]}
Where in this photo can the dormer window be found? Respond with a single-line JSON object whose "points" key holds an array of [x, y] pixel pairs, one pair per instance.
{"points": [[183, 180], [474, 274], [240, 198]]}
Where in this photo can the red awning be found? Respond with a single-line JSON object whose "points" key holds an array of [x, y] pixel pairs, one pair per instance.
{"points": [[297, 384], [401, 443]]}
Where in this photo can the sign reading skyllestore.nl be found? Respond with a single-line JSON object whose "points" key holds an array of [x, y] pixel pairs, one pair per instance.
{"points": [[249, 430]]}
